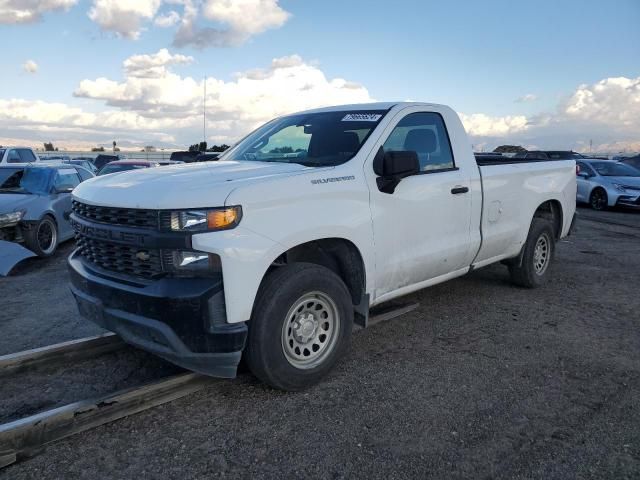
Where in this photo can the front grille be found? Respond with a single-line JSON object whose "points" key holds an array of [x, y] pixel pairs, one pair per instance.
{"points": [[124, 259], [131, 217]]}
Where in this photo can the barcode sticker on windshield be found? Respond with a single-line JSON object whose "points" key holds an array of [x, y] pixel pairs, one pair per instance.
{"points": [[362, 117]]}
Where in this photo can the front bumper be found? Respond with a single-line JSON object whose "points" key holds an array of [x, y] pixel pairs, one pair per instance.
{"points": [[628, 200], [179, 319]]}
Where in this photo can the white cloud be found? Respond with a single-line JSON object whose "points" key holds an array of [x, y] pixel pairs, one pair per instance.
{"points": [[28, 11], [237, 21], [154, 65], [529, 97], [123, 17], [253, 97], [481, 125], [30, 66], [167, 20]]}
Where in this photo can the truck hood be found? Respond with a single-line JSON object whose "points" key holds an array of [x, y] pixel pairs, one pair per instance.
{"points": [[192, 185]]}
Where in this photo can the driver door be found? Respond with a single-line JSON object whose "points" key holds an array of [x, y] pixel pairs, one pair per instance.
{"points": [[422, 229], [65, 179]]}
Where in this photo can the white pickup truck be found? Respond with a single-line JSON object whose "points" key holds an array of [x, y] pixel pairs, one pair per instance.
{"points": [[278, 248]]}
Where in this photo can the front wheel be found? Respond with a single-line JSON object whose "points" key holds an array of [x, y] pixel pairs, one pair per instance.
{"points": [[42, 237], [539, 251], [598, 199], [300, 327]]}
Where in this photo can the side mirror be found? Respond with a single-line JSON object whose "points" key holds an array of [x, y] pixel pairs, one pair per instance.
{"points": [[63, 189], [391, 167], [584, 174]]}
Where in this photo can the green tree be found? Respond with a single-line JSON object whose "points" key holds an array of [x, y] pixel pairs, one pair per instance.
{"points": [[48, 147]]}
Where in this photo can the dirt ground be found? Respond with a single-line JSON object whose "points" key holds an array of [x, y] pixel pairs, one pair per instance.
{"points": [[483, 380]]}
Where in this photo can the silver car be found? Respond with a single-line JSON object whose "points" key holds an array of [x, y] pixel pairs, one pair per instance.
{"points": [[35, 203], [607, 183]]}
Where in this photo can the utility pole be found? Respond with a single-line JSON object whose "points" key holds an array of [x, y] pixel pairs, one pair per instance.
{"points": [[204, 111], [590, 145]]}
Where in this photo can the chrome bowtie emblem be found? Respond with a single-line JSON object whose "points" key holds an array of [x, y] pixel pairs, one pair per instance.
{"points": [[143, 256]]}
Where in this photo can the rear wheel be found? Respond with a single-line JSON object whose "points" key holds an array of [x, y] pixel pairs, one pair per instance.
{"points": [[539, 250], [598, 199], [42, 237], [300, 327]]}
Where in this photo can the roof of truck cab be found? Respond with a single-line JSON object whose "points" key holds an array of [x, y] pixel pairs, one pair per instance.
{"points": [[366, 106]]}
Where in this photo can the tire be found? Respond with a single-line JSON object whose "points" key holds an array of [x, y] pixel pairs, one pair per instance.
{"points": [[300, 326], [538, 254], [598, 199], [42, 237]]}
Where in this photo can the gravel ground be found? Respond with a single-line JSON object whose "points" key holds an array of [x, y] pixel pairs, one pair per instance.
{"points": [[484, 380]]}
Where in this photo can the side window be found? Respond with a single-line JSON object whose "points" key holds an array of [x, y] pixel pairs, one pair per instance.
{"points": [[583, 167], [13, 157], [27, 155], [84, 174], [66, 178], [425, 134]]}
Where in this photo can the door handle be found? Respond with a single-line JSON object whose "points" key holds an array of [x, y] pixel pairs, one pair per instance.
{"points": [[458, 190]]}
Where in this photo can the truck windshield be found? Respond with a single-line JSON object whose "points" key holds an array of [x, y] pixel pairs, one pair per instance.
{"points": [[311, 139], [612, 169], [25, 180]]}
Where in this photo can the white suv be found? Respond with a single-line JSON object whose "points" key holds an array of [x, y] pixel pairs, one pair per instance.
{"points": [[17, 155]]}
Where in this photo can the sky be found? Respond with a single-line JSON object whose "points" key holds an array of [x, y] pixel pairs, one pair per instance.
{"points": [[542, 74]]}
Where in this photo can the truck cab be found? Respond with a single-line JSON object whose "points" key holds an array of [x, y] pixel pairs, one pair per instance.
{"points": [[276, 250]]}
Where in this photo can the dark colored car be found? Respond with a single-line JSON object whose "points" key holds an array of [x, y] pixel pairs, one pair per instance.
{"points": [[632, 161], [124, 165], [102, 159], [35, 203], [185, 156], [532, 155], [564, 155], [207, 157]]}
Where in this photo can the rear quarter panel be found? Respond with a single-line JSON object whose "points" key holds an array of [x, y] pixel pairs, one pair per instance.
{"points": [[511, 195]]}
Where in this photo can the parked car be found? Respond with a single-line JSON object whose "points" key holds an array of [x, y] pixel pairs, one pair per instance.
{"points": [[60, 158], [564, 155], [207, 157], [607, 183], [632, 161], [186, 156], [102, 159], [84, 163], [10, 155], [124, 165], [311, 220], [35, 203], [532, 155]]}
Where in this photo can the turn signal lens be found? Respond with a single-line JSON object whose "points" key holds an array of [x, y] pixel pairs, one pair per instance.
{"points": [[223, 218]]}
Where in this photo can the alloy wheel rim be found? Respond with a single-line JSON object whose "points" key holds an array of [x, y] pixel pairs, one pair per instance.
{"points": [[597, 200], [310, 330], [46, 236], [541, 254]]}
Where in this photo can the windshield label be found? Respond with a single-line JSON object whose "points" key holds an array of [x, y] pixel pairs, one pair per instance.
{"points": [[332, 179], [362, 117]]}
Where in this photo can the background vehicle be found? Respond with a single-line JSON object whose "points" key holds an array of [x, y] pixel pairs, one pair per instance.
{"points": [[606, 183], [564, 155], [10, 155], [532, 155], [59, 158], [102, 159], [312, 219], [35, 203], [207, 157], [84, 163], [186, 156], [124, 165], [632, 161]]}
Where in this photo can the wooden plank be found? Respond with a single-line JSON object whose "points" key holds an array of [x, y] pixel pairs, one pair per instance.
{"points": [[21, 437], [60, 353]]}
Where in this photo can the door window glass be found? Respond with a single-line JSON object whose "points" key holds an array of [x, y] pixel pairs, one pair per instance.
{"points": [[425, 134]]}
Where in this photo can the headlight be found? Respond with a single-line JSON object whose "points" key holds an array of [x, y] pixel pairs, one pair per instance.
{"points": [[619, 187], [10, 219], [205, 220], [189, 263]]}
